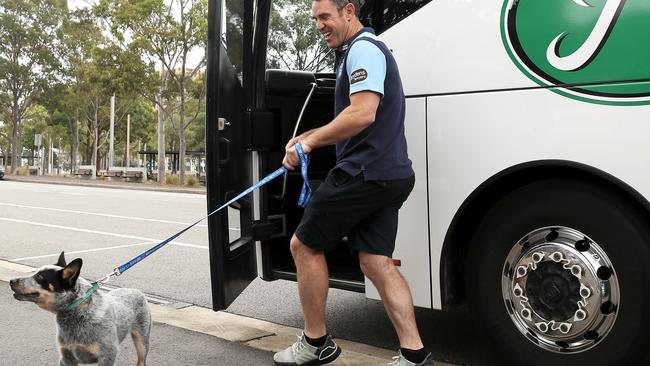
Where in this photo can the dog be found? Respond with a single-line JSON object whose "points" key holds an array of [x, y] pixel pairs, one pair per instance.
{"points": [[92, 331]]}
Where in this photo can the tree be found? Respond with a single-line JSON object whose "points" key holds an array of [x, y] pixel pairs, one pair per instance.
{"points": [[294, 42], [35, 122], [65, 101], [165, 32], [29, 33], [5, 130]]}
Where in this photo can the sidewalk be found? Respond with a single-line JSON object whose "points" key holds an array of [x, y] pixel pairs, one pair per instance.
{"points": [[182, 334], [104, 183]]}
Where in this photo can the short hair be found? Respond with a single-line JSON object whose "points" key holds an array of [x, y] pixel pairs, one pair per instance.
{"points": [[341, 3]]}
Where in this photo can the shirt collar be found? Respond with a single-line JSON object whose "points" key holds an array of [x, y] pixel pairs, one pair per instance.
{"points": [[344, 47]]}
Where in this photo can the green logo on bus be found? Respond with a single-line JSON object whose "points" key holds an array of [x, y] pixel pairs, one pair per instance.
{"points": [[593, 50]]}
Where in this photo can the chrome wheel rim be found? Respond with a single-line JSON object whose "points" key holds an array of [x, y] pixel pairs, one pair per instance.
{"points": [[560, 289]]}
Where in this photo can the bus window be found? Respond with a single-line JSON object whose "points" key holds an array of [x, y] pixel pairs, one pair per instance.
{"points": [[294, 43], [383, 14], [232, 33]]}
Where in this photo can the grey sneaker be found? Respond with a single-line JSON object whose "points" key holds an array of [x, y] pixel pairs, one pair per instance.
{"points": [[399, 360], [302, 353]]}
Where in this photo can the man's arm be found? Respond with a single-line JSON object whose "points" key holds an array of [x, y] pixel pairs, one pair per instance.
{"points": [[355, 118]]}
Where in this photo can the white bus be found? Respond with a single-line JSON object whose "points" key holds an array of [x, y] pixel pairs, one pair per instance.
{"points": [[528, 124]]}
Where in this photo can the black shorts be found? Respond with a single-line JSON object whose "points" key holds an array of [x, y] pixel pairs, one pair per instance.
{"points": [[364, 211]]}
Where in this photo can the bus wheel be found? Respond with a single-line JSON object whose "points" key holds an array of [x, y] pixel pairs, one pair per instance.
{"points": [[558, 273]]}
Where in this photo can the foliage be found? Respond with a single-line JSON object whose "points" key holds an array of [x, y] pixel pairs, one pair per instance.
{"points": [[164, 33], [30, 31], [59, 68], [294, 41], [22, 171], [191, 181], [171, 179]]}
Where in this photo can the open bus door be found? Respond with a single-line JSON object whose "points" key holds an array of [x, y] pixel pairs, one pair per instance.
{"points": [[232, 247], [251, 113]]}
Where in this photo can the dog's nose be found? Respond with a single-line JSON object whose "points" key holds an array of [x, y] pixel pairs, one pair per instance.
{"points": [[12, 283]]}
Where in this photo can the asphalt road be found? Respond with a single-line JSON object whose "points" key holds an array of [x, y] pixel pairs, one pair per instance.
{"points": [[106, 227]]}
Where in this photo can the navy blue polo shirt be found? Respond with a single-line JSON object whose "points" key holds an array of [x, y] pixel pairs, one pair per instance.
{"points": [[364, 63]]}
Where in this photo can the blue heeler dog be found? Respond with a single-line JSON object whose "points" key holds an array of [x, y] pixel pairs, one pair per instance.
{"points": [[91, 332]]}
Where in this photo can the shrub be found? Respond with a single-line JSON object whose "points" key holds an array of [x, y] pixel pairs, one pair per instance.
{"points": [[22, 171], [191, 180], [171, 179]]}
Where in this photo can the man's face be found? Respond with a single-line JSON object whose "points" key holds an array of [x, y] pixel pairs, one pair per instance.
{"points": [[332, 23]]}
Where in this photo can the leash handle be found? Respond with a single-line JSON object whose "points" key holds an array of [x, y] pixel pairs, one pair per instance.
{"points": [[305, 193]]}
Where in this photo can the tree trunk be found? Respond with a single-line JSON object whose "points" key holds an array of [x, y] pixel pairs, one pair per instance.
{"points": [[15, 154], [16, 146], [161, 143], [75, 147], [95, 141], [181, 138]]}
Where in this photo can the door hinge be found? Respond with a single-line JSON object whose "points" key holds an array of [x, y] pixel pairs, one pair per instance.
{"points": [[273, 226]]}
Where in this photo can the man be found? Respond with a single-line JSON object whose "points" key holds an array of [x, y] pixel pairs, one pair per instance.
{"points": [[362, 195]]}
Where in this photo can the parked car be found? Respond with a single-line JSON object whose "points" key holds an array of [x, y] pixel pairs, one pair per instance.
{"points": [[2, 172]]}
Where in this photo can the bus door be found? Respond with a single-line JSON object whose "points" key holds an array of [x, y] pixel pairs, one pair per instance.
{"points": [[228, 160], [251, 113]]}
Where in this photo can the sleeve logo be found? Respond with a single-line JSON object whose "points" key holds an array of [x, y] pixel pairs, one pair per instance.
{"points": [[358, 75]]}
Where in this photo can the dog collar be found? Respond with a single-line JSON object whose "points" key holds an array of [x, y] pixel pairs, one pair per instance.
{"points": [[83, 299]]}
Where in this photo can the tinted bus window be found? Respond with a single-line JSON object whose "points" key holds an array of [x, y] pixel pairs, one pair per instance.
{"points": [[383, 14]]}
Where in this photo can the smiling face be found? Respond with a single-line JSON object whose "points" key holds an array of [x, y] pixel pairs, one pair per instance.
{"points": [[334, 23]]}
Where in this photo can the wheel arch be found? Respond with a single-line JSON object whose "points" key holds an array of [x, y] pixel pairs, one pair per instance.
{"points": [[453, 272]]}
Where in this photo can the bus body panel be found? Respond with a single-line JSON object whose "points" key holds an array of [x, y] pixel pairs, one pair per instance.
{"points": [[471, 138], [476, 127], [459, 49], [412, 242]]}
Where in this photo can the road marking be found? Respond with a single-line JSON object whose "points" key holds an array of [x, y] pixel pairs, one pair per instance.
{"points": [[102, 233], [83, 251], [99, 214]]}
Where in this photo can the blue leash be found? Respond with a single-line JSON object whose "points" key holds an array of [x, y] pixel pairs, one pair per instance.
{"points": [[305, 196], [305, 193]]}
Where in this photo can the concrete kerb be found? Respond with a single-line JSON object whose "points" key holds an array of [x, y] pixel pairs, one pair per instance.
{"points": [[104, 184], [252, 332]]}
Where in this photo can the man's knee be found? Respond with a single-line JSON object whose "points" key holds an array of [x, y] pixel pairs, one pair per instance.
{"points": [[374, 266], [299, 249]]}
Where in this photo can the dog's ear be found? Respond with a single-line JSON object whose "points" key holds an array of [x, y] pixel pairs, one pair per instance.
{"points": [[61, 262], [70, 273]]}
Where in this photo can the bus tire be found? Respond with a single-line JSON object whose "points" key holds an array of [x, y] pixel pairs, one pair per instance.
{"points": [[528, 294]]}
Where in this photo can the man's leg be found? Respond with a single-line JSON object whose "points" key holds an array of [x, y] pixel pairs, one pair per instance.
{"points": [[313, 286], [396, 296], [314, 347]]}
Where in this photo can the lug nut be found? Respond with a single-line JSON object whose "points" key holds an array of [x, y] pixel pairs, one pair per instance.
{"points": [[543, 327], [521, 271], [576, 270]]}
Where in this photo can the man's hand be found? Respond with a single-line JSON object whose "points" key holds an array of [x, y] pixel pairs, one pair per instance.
{"points": [[291, 159]]}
